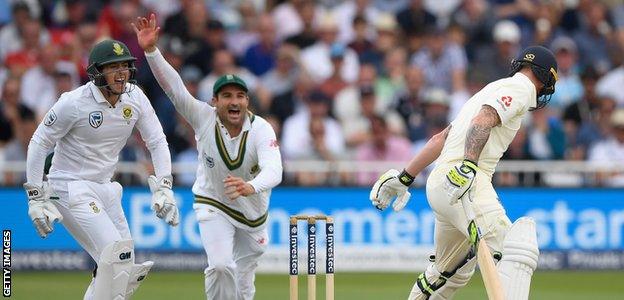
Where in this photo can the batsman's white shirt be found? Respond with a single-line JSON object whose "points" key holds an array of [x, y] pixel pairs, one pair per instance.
{"points": [[89, 133], [253, 155], [511, 97]]}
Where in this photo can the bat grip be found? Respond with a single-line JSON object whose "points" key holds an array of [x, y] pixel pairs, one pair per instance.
{"points": [[467, 206]]}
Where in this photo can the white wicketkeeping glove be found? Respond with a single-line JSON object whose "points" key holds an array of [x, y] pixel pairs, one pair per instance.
{"points": [[390, 185], [41, 210], [459, 180], [163, 202]]}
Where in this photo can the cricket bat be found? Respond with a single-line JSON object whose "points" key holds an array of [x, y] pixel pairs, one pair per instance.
{"points": [[490, 276]]}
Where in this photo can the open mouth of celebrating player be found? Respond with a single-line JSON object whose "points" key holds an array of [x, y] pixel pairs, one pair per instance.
{"points": [[234, 112]]}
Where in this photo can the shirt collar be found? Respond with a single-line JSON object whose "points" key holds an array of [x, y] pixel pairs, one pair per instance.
{"points": [[97, 94], [246, 123], [529, 84]]}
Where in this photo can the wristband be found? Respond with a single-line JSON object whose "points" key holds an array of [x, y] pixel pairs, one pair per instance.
{"points": [[405, 178]]}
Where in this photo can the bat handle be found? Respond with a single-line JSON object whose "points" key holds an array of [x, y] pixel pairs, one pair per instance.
{"points": [[467, 206]]}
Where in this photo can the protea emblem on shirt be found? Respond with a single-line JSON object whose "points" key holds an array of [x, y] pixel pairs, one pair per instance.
{"points": [[127, 112], [95, 119], [117, 49], [209, 161]]}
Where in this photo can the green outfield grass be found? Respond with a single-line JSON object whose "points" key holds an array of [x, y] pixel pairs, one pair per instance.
{"points": [[568, 285]]}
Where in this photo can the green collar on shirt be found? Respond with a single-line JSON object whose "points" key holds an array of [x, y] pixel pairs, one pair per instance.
{"points": [[233, 164]]}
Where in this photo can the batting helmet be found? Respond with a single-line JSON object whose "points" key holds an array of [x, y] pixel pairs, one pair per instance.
{"points": [[543, 65], [106, 52]]}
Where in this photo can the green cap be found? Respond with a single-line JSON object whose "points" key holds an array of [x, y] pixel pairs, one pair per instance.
{"points": [[228, 79], [109, 51]]}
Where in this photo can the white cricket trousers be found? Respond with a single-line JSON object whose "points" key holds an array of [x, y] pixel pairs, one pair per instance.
{"points": [[232, 254], [451, 226], [92, 213]]}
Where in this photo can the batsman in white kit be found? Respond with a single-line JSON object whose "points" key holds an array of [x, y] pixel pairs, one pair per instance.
{"points": [[87, 128], [239, 164], [467, 153]]}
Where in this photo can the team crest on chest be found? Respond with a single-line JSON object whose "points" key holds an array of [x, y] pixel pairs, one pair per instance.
{"points": [[95, 119], [127, 112], [50, 118], [209, 161]]}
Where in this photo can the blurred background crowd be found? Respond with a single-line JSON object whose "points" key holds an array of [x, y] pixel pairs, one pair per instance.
{"points": [[361, 80]]}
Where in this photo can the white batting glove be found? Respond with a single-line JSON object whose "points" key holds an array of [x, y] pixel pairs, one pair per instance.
{"points": [[41, 210], [459, 180], [390, 185], [163, 202]]}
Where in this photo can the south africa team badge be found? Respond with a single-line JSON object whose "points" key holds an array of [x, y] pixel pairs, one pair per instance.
{"points": [[95, 119], [127, 113]]}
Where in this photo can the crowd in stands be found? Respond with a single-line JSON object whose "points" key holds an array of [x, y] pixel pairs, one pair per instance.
{"points": [[363, 80]]}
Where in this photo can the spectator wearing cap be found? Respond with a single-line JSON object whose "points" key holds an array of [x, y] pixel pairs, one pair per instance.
{"points": [[434, 114], [382, 146], [334, 84], [12, 34], [492, 63], [311, 133], [316, 58], [569, 87], [443, 63], [385, 29], [260, 57], [307, 35], [38, 90], [611, 150]]}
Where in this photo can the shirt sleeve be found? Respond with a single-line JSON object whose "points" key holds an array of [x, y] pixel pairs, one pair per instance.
{"points": [[508, 101], [193, 110], [269, 159], [57, 123], [152, 134]]}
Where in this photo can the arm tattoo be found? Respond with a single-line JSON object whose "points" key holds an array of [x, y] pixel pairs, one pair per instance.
{"points": [[479, 132]]}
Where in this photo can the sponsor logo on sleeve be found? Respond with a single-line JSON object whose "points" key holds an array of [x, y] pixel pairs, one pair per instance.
{"points": [[96, 118], [50, 118]]}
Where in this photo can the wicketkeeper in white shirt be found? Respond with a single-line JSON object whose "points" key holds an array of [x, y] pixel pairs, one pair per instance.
{"points": [[87, 128], [467, 153], [239, 164]]}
